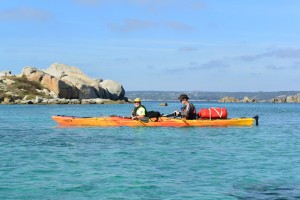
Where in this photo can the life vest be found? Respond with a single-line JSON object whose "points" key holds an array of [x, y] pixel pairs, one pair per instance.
{"points": [[192, 113], [133, 113]]}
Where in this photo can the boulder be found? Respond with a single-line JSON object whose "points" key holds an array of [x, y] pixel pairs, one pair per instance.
{"points": [[229, 100], [84, 90], [71, 83], [246, 100], [249, 100], [86, 87], [290, 99], [163, 104], [8, 100], [60, 88], [279, 99], [32, 73], [58, 101], [297, 98], [75, 101], [113, 90]]}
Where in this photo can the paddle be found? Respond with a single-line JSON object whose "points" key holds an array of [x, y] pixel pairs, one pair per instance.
{"points": [[173, 114], [143, 119]]}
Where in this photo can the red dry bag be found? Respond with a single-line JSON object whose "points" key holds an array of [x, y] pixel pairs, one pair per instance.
{"points": [[213, 113]]}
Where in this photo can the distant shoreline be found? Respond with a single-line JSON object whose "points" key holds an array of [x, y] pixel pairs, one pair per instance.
{"points": [[274, 97]]}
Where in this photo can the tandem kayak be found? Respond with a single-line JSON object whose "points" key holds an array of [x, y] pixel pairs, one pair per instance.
{"points": [[162, 121]]}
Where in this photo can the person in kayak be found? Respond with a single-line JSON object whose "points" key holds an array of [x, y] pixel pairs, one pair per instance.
{"points": [[189, 110], [139, 111]]}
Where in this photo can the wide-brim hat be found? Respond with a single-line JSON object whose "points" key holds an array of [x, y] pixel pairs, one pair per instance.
{"points": [[183, 96], [137, 100]]}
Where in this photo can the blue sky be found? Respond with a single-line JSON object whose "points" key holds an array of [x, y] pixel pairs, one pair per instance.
{"points": [[203, 45]]}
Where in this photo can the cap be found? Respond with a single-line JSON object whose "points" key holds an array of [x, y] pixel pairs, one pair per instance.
{"points": [[138, 100], [183, 96]]}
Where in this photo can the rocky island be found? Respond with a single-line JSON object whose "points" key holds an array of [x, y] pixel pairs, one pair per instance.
{"points": [[279, 99], [59, 84], [62, 84]]}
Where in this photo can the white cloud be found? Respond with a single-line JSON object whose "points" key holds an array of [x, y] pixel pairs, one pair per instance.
{"points": [[193, 66], [283, 53], [213, 64], [293, 66]]}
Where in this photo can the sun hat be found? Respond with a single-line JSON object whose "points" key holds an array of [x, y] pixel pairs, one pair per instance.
{"points": [[138, 100], [183, 96]]}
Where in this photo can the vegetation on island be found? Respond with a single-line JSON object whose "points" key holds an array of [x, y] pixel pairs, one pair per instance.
{"points": [[21, 87]]}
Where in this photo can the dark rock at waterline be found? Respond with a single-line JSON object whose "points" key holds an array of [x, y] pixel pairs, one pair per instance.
{"points": [[163, 104]]}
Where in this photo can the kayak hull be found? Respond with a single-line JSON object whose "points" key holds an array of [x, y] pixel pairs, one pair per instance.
{"points": [[162, 122]]}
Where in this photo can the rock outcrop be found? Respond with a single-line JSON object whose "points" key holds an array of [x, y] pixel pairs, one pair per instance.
{"points": [[229, 100], [163, 104], [82, 86], [279, 99], [59, 87], [287, 99], [112, 90], [249, 100], [71, 83]]}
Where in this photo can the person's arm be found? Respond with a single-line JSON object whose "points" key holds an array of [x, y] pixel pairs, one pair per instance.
{"points": [[185, 112]]}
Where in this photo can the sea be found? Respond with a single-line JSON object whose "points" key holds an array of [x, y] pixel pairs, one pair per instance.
{"points": [[41, 160]]}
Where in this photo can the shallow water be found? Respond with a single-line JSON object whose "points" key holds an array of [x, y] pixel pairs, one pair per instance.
{"points": [[40, 160]]}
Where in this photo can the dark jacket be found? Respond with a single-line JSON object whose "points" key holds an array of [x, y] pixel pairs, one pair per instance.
{"points": [[189, 111]]}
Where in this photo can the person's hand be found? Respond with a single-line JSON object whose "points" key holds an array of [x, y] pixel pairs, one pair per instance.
{"points": [[133, 118]]}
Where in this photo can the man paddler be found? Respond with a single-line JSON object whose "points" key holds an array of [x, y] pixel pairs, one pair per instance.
{"points": [[188, 110], [139, 111]]}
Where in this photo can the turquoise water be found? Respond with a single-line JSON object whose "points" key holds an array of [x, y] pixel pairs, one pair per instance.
{"points": [[40, 160]]}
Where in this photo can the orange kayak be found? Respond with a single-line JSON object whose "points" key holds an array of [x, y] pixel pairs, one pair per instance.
{"points": [[162, 121]]}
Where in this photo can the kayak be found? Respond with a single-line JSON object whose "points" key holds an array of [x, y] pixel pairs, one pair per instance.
{"points": [[162, 121]]}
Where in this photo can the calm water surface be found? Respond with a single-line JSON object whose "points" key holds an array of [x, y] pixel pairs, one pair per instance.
{"points": [[40, 160]]}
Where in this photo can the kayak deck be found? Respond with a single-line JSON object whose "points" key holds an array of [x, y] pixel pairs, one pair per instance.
{"points": [[162, 121]]}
